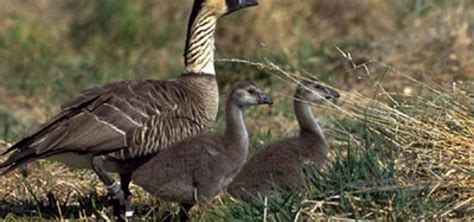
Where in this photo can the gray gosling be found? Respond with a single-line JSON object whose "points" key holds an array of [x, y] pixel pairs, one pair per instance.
{"points": [[199, 167], [279, 163], [116, 127]]}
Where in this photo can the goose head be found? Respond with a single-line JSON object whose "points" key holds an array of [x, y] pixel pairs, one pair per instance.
{"points": [[315, 92], [245, 93]]}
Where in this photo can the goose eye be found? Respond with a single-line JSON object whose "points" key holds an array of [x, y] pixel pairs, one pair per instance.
{"points": [[252, 91]]}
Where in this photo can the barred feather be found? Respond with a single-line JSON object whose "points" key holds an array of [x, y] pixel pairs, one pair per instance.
{"points": [[127, 120]]}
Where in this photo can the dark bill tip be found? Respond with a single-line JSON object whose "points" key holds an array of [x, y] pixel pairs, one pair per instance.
{"points": [[265, 100], [235, 5], [332, 95]]}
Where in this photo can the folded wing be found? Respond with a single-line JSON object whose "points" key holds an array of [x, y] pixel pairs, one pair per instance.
{"points": [[130, 115]]}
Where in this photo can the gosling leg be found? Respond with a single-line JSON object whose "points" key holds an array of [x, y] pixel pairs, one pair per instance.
{"points": [[184, 212]]}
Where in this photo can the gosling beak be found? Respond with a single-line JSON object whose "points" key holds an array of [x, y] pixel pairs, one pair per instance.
{"points": [[264, 99], [333, 96], [235, 5]]}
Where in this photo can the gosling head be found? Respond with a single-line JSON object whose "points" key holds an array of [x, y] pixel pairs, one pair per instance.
{"points": [[245, 93], [223, 7], [314, 92]]}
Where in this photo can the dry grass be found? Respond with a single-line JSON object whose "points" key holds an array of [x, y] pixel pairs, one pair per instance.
{"points": [[435, 145], [432, 131]]}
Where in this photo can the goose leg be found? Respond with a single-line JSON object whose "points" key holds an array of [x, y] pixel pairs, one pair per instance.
{"points": [[112, 185], [125, 209], [125, 182]]}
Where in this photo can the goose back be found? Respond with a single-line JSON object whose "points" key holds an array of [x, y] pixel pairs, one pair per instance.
{"points": [[278, 164], [128, 119], [197, 164]]}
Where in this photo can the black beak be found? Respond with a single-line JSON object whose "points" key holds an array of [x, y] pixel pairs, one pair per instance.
{"points": [[264, 99], [235, 5], [333, 96]]}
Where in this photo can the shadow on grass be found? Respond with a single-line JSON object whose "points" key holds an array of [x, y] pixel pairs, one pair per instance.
{"points": [[90, 205]]}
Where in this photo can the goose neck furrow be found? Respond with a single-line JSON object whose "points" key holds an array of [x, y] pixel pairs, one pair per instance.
{"points": [[199, 50]]}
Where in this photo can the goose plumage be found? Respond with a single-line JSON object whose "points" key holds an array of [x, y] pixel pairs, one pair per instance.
{"points": [[278, 164]]}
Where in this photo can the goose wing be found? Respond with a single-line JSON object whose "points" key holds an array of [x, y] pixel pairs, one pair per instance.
{"points": [[106, 119], [159, 132]]}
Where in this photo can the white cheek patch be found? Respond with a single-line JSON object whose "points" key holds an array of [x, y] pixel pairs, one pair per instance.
{"points": [[249, 99], [316, 97]]}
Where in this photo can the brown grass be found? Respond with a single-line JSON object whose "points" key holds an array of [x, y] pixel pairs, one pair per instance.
{"points": [[432, 129]]}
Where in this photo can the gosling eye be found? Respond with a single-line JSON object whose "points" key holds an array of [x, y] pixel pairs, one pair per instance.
{"points": [[252, 91]]}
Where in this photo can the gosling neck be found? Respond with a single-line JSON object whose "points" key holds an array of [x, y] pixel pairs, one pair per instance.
{"points": [[308, 124], [199, 49], [235, 132]]}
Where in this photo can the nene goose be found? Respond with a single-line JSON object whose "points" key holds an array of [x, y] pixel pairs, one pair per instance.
{"points": [[200, 166], [278, 164], [116, 127]]}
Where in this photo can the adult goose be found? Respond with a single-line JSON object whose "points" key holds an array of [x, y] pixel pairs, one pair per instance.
{"points": [[279, 163], [115, 127]]}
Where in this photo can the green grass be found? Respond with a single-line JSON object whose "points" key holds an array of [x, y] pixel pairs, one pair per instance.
{"points": [[360, 178]]}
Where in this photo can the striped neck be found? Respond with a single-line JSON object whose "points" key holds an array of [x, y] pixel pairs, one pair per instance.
{"points": [[199, 51]]}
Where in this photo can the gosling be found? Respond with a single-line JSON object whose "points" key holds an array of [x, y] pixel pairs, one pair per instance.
{"points": [[198, 167], [279, 163]]}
